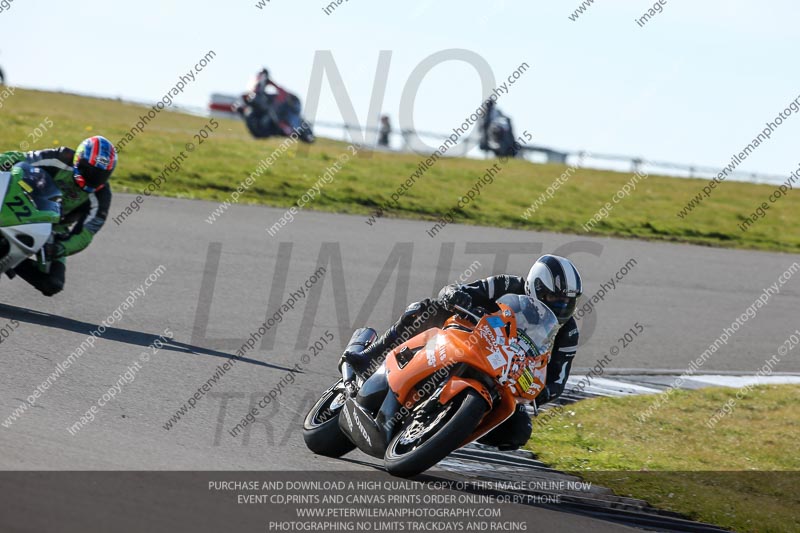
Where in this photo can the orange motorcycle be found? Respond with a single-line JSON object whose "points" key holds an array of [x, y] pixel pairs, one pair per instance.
{"points": [[438, 391]]}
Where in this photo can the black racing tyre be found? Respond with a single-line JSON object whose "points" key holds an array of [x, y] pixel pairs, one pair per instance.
{"points": [[425, 439], [321, 426], [5, 257], [251, 121], [258, 125], [306, 133]]}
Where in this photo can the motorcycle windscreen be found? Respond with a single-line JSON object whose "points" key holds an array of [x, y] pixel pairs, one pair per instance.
{"points": [[41, 189], [534, 318]]}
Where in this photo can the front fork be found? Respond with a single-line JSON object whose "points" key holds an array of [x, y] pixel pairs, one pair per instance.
{"points": [[349, 379], [41, 256]]}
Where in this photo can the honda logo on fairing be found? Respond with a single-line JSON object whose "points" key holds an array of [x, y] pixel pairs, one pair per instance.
{"points": [[361, 428], [348, 419]]}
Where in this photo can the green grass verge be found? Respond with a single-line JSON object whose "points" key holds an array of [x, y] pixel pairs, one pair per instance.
{"points": [[742, 474], [218, 166]]}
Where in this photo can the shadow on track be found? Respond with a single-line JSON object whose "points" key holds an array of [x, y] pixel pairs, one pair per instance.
{"points": [[127, 336]]}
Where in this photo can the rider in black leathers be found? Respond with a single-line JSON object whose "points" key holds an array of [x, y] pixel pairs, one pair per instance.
{"points": [[553, 280]]}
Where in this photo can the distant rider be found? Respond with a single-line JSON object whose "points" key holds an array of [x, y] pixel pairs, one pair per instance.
{"points": [[263, 102], [490, 114], [82, 175], [553, 280]]}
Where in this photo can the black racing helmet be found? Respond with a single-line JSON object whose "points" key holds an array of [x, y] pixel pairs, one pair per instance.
{"points": [[554, 281]]}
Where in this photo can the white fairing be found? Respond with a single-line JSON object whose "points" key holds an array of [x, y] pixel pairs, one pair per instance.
{"points": [[17, 236], [5, 177]]}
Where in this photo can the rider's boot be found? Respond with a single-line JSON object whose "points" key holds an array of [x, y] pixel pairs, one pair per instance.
{"points": [[416, 318], [363, 360], [511, 434], [359, 341]]}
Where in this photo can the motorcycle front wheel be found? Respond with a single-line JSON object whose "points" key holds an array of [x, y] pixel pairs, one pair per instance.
{"points": [[321, 431], [432, 431]]}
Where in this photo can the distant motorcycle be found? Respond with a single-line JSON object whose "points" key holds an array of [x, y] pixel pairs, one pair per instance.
{"points": [[31, 206], [439, 390], [499, 138], [274, 114]]}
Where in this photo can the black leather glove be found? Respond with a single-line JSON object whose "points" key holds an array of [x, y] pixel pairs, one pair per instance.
{"points": [[454, 296]]}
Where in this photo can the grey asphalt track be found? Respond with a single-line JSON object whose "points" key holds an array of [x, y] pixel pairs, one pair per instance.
{"points": [[683, 296]]}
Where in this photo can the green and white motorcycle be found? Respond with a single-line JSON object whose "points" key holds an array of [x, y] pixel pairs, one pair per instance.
{"points": [[31, 206]]}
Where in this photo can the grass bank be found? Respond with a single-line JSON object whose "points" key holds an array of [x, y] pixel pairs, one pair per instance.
{"points": [[742, 473], [217, 167]]}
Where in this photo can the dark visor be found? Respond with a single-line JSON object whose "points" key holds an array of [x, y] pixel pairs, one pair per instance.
{"points": [[93, 176]]}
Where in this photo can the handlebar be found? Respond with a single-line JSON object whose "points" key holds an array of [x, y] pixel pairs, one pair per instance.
{"points": [[467, 312]]}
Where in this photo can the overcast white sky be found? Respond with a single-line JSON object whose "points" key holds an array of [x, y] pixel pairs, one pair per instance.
{"points": [[695, 85]]}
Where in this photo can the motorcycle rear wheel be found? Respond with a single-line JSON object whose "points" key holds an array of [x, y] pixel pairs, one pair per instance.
{"points": [[306, 133], [321, 431], [428, 437]]}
